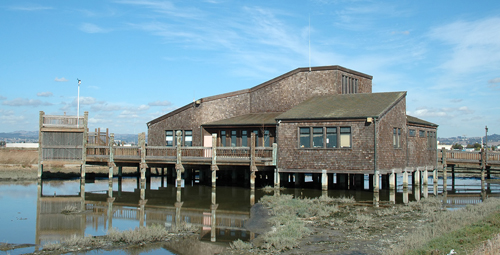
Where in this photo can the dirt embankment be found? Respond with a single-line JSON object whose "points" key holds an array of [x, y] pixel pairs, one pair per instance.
{"points": [[22, 164]]}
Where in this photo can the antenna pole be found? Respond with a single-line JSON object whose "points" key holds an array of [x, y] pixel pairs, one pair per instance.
{"points": [[78, 104], [309, 42]]}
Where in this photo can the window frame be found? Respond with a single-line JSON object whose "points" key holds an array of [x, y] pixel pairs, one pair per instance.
{"points": [[307, 133]]}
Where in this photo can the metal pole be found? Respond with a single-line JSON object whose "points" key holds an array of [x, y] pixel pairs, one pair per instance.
{"points": [[78, 105]]}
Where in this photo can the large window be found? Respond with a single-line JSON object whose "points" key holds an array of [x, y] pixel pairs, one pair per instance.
{"points": [[267, 139], [421, 133], [331, 137], [185, 135], [318, 137], [223, 138], [233, 138], [244, 138], [169, 135], [396, 137], [413, 132], [188, 138], [324, 137], [305, 138], [345, 137]]}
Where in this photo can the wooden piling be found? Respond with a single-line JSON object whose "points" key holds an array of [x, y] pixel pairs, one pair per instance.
{"points": [[111, 162], [40, 145], [214, 166], [324, 180]]}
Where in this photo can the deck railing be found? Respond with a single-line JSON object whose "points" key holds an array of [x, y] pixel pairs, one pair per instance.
{"points": [[469, 156], [262, 154], [63, 121]]}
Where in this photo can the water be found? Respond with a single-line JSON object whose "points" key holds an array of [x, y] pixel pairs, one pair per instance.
{"points": [[31, 211]]}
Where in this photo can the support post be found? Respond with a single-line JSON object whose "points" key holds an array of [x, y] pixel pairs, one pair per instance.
{"points": [[178, 166], [214, 167], [277, 178], [445, 174], [111, 162], [324, 180], [40, 145], [253, 168], [143, 166], [84, 143]]}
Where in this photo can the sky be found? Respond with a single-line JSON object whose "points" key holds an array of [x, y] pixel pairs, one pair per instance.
{"points": [[140, 59]]}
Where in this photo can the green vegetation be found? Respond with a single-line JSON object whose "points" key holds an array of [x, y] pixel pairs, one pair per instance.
{"points": [[457, 146], [461, 230]]}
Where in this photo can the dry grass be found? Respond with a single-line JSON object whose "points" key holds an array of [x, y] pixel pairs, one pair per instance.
{"points": [[138, 235], [490, 247]]}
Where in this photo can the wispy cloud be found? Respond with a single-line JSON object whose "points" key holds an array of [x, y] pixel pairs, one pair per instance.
{"points": [[2, 97], [475, 45], [44, 94], [26, 102], [441, 112], [160, 103], [62, 79], [166, 7], [495, 80], [92, 28], [30, 8]]}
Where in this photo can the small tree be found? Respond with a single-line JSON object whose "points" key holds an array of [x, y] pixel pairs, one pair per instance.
{"points": [[477, 146], [457, 146], [2, 143]]}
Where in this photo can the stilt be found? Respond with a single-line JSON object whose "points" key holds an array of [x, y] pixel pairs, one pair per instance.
{"points": [[324, 180], [252, 180], [425, 183], [392, 187], [214, 178], [405, 180], [277, 178]]}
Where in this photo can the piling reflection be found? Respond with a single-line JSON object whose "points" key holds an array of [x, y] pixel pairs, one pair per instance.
{"points": [[94, 212]]}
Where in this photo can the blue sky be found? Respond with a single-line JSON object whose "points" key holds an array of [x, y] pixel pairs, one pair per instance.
{"points": [[139, 59]]}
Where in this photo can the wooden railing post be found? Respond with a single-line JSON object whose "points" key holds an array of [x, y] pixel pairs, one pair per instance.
{"points": [[142, 144], [178, 166], [111, 162], [445, 173], [253, 168], [275, 154], [40, 145], [84, 144], [214, 166]]}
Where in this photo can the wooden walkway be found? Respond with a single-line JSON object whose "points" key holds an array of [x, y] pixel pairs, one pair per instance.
{"points": [[475, 159]]}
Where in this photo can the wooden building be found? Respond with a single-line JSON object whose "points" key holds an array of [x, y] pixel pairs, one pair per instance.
{"points": [[324, 120]]}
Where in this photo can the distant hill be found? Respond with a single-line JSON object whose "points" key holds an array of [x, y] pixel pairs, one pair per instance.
{"points": [[493, 139], [32, 137]]}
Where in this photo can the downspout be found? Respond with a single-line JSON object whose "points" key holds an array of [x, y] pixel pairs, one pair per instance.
{"points": [[375, 170]]}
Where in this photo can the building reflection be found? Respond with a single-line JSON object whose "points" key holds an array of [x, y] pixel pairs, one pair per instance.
{"points": [[167, 205]]}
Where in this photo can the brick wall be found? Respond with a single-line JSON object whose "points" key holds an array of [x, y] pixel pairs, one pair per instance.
{"points": [[359, 157], [389, 157], [419, 153]]}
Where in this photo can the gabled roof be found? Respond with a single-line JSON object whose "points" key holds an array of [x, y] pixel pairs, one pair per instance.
{"points": [[266, 118], [415, 120], [344, 106], [260, 86]]}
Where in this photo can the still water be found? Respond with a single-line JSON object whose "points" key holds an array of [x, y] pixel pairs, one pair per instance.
{"points": [[31, 211]]}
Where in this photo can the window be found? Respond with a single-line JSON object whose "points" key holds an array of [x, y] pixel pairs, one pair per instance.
{"points": [[256, 132], [266, 138], [331, 137], [345, 137], [169, 137], [188, 138], [318, 137], [223, 138], [396, 137], [349, 85], [244, 138], [413, 132], [324, 137], [233, 138], [305, 138], [431, 140], [421, 133]]}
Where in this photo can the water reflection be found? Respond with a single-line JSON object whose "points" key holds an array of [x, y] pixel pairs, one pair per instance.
{"points": [[220, 213]]}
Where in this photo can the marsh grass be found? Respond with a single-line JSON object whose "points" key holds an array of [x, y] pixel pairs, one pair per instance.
{"points": [[69, 209], [138, 235], [460, 230]]}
